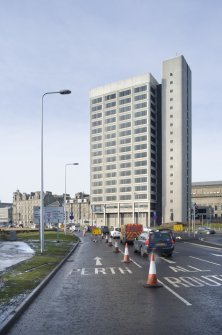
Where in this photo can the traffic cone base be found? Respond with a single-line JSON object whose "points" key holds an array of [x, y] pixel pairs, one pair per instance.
{"points": [[110, 242], [152, 277]]}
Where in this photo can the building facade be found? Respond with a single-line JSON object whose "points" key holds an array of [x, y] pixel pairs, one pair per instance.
{"points": [[79, 209], [129, 151], [23, 206], [5, 214], [208, 195]]}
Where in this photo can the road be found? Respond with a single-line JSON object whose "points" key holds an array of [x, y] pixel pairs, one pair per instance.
{"points": [[95, 292]]}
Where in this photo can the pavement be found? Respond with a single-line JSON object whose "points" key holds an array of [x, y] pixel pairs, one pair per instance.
{"points": [[205, 240]]}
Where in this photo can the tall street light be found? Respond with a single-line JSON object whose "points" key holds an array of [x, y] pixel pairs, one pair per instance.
{"points": [[63, 92], [65, 194]]}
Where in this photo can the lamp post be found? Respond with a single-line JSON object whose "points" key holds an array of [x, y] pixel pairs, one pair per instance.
{"points": [[63, 92], [65, 194]]}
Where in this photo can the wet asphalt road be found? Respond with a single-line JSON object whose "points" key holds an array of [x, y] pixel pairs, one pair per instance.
{"points": [[106, 296]]}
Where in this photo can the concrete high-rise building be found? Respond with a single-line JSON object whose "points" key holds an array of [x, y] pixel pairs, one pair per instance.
{"points": [[176, 140], [130, 131]]}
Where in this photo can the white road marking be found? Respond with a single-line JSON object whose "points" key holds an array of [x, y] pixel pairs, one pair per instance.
{"points": [[187, 303], [167, 260], [98, 261], [202, 246], [139, 266], [217, 255], [203, 260]]}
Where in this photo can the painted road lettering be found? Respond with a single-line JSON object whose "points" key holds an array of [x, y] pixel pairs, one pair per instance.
{"points": [[191, 269], [211, 280], [102, 271]]}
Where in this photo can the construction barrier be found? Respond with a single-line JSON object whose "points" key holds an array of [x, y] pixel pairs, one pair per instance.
{"points": [[126, 255], [152, 277]]}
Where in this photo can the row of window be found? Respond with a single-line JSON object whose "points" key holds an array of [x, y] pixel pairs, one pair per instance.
{"points": [[121, 197], [122, 94]]}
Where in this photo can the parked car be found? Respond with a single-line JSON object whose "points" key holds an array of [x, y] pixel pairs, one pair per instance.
{"points": [[157, 241], [205, 230], [105, 230], [115, 232]]}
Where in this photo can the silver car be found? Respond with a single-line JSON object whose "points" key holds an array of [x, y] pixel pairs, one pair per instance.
{"points": [[139, 243], [205, 230]]}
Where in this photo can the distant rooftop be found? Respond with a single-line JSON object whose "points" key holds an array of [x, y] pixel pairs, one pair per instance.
{"points": [[207, 183]]}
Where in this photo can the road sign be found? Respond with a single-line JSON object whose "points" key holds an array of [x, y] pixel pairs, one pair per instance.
{"points": [[96, 231], [50, 215]]}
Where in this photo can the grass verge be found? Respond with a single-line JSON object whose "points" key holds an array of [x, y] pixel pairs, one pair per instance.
{"points": [[22, 278]]}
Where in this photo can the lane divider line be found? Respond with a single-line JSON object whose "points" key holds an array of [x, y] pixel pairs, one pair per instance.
{"points": [[187, 303], [203, 246], [167, 260], [139, 266], [203, 260]]}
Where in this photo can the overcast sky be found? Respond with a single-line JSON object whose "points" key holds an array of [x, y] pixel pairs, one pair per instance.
{"points": [[49, 45]]}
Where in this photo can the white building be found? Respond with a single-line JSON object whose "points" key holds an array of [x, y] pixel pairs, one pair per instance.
{"points": [[129, 130]]}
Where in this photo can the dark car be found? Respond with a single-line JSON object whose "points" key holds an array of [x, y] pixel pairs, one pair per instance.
{"points": [[166, 230], [105, 230], [159, 241]]}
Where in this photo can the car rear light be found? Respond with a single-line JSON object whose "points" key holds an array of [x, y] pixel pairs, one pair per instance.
{"points": [[147, 242], [173, 242]]}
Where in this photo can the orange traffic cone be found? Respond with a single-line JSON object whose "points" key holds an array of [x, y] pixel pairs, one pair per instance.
{"points": [[152, 277], [106, 238], [126, 255], [110, 242], [116, 250]]}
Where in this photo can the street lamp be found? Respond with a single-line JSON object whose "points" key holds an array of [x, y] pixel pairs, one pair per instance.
{"points": [[65, 194], [63, 92]]}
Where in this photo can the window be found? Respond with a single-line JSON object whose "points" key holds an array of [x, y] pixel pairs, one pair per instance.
{"points": [[125, 173], [140, 122], [140, 97], [110, 96], [124, 93], [96, 123], [140, 155], [141, 180], [140, 130], [125, 181], [171, 74], [111, 120], [96, 108], [125, 133], [140, 138], [141, 113], [171, 91], [111, 167], [171, 82], [125, 140], [125, 165], [125, 197], [124, 109], [96, 100], [111, 104], [140, 105], [124, 157], [96, 116], [110, 190], [140, 163], [111, 182], [141, 171], [111, 159], [124, 101], [125, 117], [110, 128], [110, 135], [110, 112], [141, 188], [140, 146], [125, 125], [140, 89], [110, 174], [125, 149], [125, 189], [110, 198]]}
